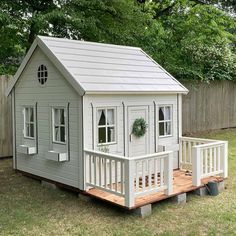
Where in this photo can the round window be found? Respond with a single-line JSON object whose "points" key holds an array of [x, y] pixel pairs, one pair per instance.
{"points": [[42, 74]]}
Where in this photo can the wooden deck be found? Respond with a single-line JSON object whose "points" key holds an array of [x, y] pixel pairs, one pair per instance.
{"points": [[182, 184]]}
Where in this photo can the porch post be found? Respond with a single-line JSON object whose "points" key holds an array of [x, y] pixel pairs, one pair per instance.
{"points": [[168, 173], [129, 183], [225, 160], [180, 152], [196, 165]]}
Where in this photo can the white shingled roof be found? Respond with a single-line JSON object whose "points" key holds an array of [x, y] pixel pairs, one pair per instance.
{"points": [[105, 68]]}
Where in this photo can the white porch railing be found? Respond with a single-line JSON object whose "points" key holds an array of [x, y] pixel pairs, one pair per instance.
{"points": [[129, 177], [204, 157]]}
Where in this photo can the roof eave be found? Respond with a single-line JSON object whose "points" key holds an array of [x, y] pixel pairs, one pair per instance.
{"points": [[39, 42], [134, 92]]}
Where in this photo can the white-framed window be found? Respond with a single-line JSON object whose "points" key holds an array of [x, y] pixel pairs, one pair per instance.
{"points": [[59, 125], [106, 125], [29, 122], [165, 120]]}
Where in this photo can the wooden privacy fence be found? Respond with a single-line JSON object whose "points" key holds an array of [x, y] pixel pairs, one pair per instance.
{"points": [[5, 119], [209, 106]]}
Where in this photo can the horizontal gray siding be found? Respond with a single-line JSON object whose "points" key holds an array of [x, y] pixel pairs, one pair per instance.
{"points": [[56, 91]]}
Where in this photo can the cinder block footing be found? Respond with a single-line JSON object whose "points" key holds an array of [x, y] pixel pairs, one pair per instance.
{"points": [[48, 185], [84, 197], [143, 211], [179, 199], [201, 192], [221, 186]]}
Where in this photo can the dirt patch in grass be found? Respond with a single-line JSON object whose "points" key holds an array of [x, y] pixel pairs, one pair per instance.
{"points": [[26, 208]]}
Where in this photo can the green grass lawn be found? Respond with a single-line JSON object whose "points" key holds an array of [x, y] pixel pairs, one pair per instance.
{"points": [[26, 208]]}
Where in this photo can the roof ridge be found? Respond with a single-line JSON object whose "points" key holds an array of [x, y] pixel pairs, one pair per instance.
{"points": [[89, 42]]}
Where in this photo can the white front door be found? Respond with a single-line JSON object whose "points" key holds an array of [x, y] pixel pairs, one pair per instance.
{"points": [[138, 146]]}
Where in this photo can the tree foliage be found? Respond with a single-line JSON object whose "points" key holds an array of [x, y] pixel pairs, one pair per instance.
{"points": [[192, 39], [199, 41]]}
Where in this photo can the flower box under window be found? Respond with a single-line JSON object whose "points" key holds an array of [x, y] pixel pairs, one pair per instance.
{"points": [[57, 156], [27, 150]]}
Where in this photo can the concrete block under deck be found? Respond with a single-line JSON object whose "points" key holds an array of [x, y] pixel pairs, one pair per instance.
{"points": [[143, 211], [48, 185], [179, 199]]}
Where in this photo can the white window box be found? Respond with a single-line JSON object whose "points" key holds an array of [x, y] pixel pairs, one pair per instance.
{"points": [[57, 156], [27, 150]]}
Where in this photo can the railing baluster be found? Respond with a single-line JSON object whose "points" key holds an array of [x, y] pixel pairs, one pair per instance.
{"points": [[105, 172], [202, 161], [95, 169], [143, 175], [100, 171], [210, 159], [155, 172], [184, 151], [206, 161], [181, 151], [90, 168], [214, 157], [122, 177], [150, 173], [161, 171], [116, 181], [110, 173], [218, 157], [189, 152]]}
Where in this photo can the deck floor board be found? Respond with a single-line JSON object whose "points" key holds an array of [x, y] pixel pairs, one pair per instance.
{"points": [[182, 184]]}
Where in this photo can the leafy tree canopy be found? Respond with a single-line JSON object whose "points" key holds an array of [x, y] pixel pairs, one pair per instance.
{"points": [[192, 39]]}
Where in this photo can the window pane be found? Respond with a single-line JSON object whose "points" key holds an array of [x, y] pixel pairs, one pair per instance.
{"points": [[27, 130], [101, 117], [62, 134], [56, 116], [168, 128], [31, 130], [110, 117], [26, 114], [161, 113], [167, 113], [62, 119], [57, 134], [101, 135], [161, 129], [31, 114], [111, 134]]}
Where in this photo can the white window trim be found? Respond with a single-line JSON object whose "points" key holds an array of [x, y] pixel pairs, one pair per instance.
{"points": [[164, 121], [106, 126], [30, 122], [53, 124]]}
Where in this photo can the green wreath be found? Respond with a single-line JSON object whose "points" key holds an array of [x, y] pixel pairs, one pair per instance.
{"points": [[139, 127]]}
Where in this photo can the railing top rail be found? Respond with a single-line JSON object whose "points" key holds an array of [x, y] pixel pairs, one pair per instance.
{"points": [[198, 139], [157, 154], [117, 157], [206, 145], [106, 155]]}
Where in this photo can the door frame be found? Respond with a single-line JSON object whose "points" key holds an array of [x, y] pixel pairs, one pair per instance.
{"points": [[129, 108]]}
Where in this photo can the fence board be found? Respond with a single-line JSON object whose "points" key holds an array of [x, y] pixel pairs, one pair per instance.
{"points": [[5, 119], [209, 106]]}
